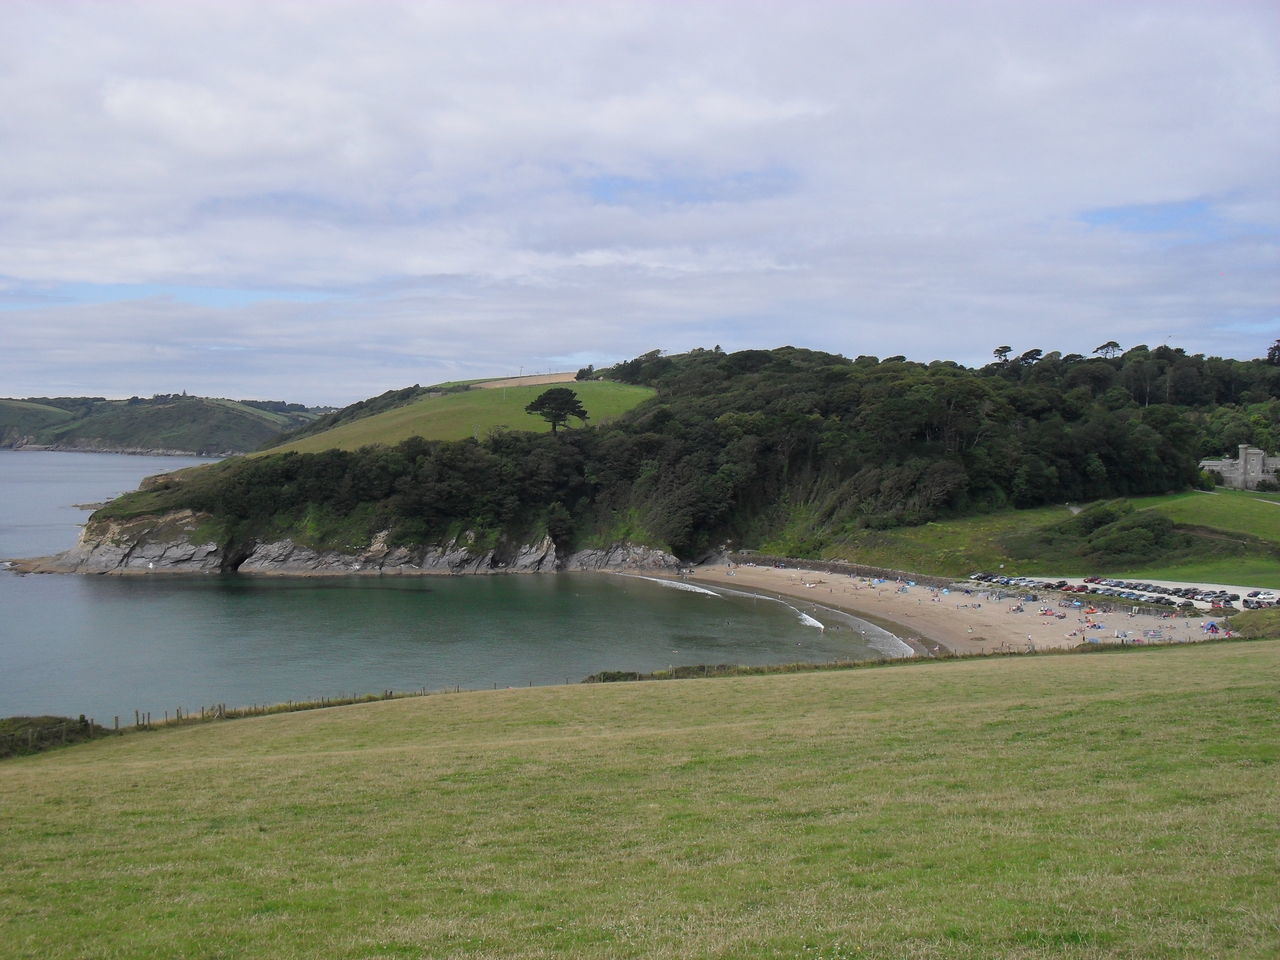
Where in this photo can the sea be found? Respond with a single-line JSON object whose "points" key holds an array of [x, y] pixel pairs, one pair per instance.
{"points": [[107, 646]]}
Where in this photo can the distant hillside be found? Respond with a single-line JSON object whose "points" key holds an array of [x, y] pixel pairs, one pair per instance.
{"points": [[168, 423], [21, 418], [453, 411]]}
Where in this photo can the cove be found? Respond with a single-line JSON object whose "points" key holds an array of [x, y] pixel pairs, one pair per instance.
{"points": [[106, 646]]}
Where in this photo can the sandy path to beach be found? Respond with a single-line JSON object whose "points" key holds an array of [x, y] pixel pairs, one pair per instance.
{"points": [[961, 623]]}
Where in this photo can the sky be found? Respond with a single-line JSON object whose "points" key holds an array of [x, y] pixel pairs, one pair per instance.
{"points": [[319, 201]]}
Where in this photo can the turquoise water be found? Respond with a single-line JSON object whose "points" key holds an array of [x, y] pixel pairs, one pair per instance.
{"points": [[107, 646]]}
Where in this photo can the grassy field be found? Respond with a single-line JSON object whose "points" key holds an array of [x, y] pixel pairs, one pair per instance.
{"points": [[1114, 805], [456, 416], [26, 417], [957, 547], [1236, 511]]}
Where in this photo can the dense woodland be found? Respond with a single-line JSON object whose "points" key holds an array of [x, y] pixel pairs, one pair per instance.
{"points": [[735, 446]]}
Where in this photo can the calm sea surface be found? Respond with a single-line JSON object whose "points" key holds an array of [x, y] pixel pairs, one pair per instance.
{"points": [[107, 646]]}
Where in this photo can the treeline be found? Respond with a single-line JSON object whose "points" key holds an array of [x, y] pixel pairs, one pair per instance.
{"points": [[737, 446]]}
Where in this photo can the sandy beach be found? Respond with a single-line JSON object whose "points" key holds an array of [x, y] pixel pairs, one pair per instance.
{"points": [[952, 621]]}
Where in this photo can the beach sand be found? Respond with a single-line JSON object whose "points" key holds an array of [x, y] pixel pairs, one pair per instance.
{"points": [[954, 622]]}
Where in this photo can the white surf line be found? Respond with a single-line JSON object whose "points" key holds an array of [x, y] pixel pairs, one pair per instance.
{"points": [[673, 584], [876, 636], [803, 617], [897, 648], [882, 640]]}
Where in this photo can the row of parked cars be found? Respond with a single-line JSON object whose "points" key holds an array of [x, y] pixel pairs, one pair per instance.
{"points": [[1215, 598], [1155, 593]]}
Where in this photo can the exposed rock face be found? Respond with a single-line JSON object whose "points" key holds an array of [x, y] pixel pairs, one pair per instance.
{"points": [[169, 544], [166, 544], [622, 556]]}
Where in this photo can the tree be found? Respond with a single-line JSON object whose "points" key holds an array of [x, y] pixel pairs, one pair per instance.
{"points": [[556, 406], [1273, 354], [1108, 349], [1002, 353]]}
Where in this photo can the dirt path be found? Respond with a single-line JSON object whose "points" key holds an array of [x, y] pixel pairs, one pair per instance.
{"points": [[531, 381]]}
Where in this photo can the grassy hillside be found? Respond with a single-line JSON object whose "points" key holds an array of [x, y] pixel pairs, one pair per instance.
{"points": [[196, 424], [1234, 511], [1234, 538], [189, 423], [456, 416], [1118, 805], [22, 417]]}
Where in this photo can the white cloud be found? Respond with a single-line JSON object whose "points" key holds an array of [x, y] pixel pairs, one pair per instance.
{"points": [[479, 186]]}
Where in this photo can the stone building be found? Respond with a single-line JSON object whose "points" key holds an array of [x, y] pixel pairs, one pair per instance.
{"points": [[1245, 472]]}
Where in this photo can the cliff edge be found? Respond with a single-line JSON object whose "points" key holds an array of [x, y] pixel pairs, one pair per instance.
{"points": [[175, 543]]}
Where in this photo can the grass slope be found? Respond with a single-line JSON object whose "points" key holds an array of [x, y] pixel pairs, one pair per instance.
{"points": [[1243, 528], [456, 416], [1119, 805], [198, 424], [20, 417], [1235, 511], [187, 423]]}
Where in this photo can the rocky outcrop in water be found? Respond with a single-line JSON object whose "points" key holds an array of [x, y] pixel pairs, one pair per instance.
{"points": [[173, 544], [168, 544]]}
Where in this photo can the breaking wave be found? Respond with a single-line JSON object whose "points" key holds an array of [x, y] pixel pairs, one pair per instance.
{"points": [[674, 584]]}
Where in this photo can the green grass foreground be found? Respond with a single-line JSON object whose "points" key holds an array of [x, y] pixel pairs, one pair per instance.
{"points": [[1077, 807]]}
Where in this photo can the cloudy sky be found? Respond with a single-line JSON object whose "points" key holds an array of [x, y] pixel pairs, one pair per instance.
{"points": [[318, 201]]}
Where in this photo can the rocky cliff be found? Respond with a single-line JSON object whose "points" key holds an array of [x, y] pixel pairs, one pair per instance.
{"points": [[173, 544]]}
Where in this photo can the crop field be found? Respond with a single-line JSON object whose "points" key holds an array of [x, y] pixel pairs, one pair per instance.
{"points": [[473, 413], [1119, 805]]}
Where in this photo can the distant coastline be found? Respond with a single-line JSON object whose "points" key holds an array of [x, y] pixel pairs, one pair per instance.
{"points": [[125, 451]]}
